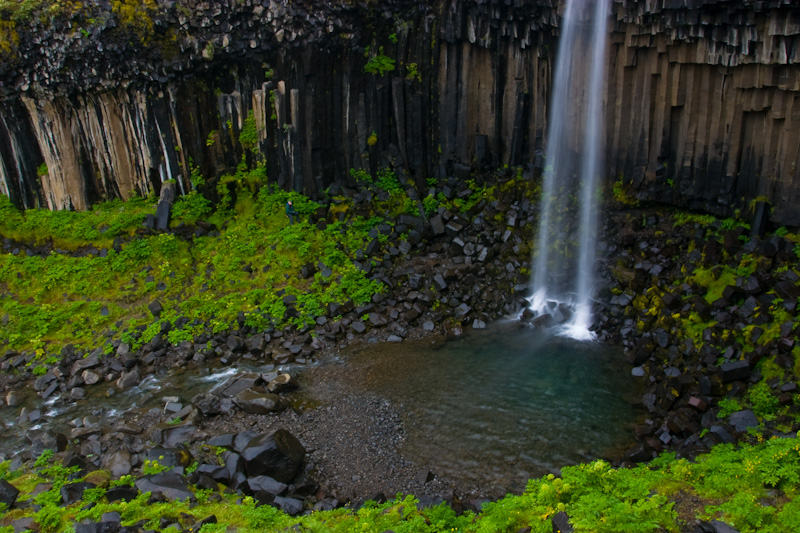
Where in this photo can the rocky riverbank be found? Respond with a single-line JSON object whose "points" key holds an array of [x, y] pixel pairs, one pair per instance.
{"points": [[659, 270]]}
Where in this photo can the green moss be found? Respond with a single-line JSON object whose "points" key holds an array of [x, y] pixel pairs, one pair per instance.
{"points": [[58, 298], [248, 137], [730, 483], [621, 194], [379, 64], [136, 16]]}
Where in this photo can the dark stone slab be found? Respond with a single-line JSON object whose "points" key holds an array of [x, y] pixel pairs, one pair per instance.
{"points": [[734, 370], [73, 492], [170, 484], [8, 493], [758, 227], [278, 455], [561, 523], [741, 420], [165, 200]]}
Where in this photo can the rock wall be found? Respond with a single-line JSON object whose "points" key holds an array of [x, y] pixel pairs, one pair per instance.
{"points": [[700, 96]]}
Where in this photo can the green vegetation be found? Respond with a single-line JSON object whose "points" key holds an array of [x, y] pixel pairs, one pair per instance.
{"points": [[136, 15], [621, 194], [412, 72], [379, 63], [752, 487], [204, 282], [248, 137], [719, 280]]}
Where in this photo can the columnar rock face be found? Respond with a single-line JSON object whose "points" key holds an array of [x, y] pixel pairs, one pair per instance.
{"points": [[700, 96]]}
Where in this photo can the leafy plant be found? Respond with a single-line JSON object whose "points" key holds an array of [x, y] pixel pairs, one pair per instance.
{"points": [[727, 406], [412, 72], [248, 137], [379, 64], [151, 467], [622, 195]]}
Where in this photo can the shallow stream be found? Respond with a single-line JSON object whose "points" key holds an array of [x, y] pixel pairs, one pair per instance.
{"points": [[492, 408]]}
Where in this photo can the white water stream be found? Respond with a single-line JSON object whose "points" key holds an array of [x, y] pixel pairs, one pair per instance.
{"points": [[563, 274]]}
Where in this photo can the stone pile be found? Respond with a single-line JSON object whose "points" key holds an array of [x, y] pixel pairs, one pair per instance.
{"points": [[652, 296]]}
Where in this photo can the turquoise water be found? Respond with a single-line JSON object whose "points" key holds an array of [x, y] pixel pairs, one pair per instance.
{"points": [[499, 406]]}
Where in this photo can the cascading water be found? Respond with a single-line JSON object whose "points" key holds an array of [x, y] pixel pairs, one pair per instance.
{"points": [[565, 252]]}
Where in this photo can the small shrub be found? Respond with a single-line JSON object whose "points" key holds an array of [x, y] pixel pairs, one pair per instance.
{"points": [[379, 64], [248, 137], [727, 406]]}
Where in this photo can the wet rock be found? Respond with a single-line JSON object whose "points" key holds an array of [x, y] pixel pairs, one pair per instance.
{"points": [[26, 523], [281, 383], [169, 457], [73, 492], [258, 402], [45, 439], [155, 308], [560, 522], [278, 455], [126, 493], [462, 310], [8, 493], [117, 463], [290, 506], [42, 382], [715, 526], [90, 378], [128, 380], [741, 420], [234, 343], [721, 434], [207, 404], [77, 393], [439, 283], [641, 353], [453, 330], [734, 370], [85, 363], [236, 384], [378, 319], [265, 484], [175, 435], [437, 225], [255, 344], [13, 398], [165, 200], [758, 227], [169, 484]]}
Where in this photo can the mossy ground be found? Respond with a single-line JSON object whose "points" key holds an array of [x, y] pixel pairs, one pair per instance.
{"points": [[87, 278], [706, 268], [752, 487], [246, 256]]}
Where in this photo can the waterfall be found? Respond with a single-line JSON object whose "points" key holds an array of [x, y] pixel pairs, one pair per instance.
{"points": [[563, 277]]}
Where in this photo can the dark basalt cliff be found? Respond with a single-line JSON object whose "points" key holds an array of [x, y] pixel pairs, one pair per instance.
{"points": [[700, 95]]}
